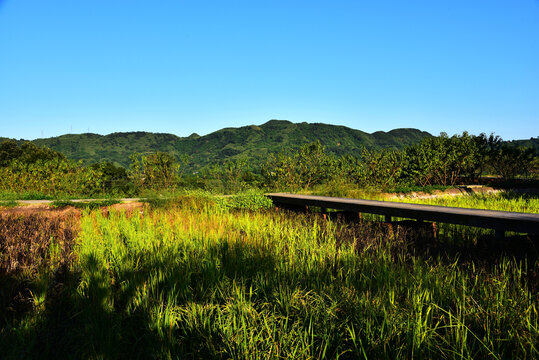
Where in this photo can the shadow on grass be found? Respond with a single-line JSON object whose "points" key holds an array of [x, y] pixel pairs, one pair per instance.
{"points": [[89, 312], [96, 311], [71, 326], [445, 242]]}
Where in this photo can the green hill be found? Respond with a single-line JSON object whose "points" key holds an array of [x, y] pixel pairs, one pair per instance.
{"points": [[116, 147], [250, 142], [532, 142]]}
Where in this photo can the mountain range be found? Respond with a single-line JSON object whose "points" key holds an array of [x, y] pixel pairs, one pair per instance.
{"points": [[253, 142]]}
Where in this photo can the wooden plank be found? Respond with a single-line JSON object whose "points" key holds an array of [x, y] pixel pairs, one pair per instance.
{"points": [[498, 220]]}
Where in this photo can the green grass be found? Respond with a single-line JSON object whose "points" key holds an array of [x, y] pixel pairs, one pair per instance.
{"points": [[508, 201], [24, 196], [94, 204], [248, 200], [503, 200], [40, 196], [414, 188], [343, 189], [197, 280], [8, 203]]}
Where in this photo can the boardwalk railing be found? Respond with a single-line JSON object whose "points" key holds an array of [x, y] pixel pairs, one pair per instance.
{"points": [[500, 221]]}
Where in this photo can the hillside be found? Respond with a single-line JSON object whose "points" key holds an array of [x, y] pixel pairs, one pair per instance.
{"points": [[250, 142], [532, 142]]}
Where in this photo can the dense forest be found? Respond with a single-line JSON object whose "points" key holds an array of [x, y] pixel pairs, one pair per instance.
{"points": [[26, 168], [253, 143]]}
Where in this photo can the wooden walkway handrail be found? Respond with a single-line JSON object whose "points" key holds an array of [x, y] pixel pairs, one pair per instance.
{"points": [[500, 221]]}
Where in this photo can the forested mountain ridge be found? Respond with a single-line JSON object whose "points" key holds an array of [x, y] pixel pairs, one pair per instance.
{"points": [[531, 142], [253, 142]]}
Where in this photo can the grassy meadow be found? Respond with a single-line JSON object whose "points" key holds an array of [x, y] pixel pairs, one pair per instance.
{"points": [[503, 201], [214, 278]]}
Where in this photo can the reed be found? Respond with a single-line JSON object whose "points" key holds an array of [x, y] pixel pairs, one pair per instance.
{"points": [[198, 280], [500, 201]]}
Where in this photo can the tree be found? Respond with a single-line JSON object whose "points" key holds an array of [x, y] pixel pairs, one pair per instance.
{"points": [[230, 177], [309, 166], [442, 160], [382, 168], [114, 179], [510, 162], [9, 150], [154, 171], [27, 153]]}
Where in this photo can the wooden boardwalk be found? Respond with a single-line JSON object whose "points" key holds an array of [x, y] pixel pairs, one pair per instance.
{"points": [[500, 221]]}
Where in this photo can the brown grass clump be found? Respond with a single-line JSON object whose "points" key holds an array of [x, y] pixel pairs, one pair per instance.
{"points": [[36, 240]]}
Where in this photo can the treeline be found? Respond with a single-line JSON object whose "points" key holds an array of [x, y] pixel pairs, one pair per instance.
{"points": [[435, 161], [440, 160], [29, 169]]}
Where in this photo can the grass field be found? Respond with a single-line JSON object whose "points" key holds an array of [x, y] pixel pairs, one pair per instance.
{"points": [[507, 201], [198, 279], [503, 200]]}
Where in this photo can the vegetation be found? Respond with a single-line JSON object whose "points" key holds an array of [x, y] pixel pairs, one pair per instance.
{"points": [[29, 171], [206, 276], [199, 280], [8, 203], [154, 171], [30, 195], [251, 143], [94, 204], [532, 142], [507, 201], [433, 162]]}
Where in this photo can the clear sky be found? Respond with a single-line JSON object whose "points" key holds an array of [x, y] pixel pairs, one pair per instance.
{"points": [[73, 66]]}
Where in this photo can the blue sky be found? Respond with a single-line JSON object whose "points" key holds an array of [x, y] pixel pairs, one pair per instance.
{"points": [[197, 66]]}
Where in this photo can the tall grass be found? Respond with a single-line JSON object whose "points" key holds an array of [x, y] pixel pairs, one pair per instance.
{"points": [[197, 280], [500, 201], [503, 201]]}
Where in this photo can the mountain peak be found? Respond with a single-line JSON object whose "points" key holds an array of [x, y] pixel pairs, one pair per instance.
{"points": [[275, 122]]}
